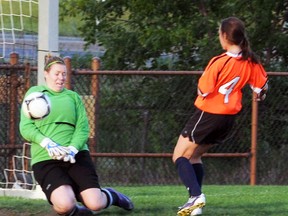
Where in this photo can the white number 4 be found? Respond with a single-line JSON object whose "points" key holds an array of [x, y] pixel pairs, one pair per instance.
{"points": [[227, 88]]}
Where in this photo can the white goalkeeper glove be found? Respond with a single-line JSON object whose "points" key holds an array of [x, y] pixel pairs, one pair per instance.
{"points": [[70, 157], [53, 149]]}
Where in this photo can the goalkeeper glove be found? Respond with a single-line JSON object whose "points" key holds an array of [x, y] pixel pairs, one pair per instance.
{"points": [[70, 157], [53, 149]]}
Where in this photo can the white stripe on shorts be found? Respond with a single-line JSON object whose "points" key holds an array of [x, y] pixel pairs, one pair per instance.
{"points": [[192, 132]]}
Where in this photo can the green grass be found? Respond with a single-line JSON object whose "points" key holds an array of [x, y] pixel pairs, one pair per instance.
{"points": [[164, 200]]}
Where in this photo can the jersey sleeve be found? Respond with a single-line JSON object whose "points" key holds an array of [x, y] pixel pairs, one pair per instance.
{"points": [[258, 79], [27, 127]]}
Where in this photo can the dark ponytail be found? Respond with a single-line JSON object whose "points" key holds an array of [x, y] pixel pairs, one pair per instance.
{"points": [[247, 53], [236, 34]]}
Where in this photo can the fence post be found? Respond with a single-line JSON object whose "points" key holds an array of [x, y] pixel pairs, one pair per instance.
{"points": [[13, 81], [95, 94], [254, 127], [68, 83], [13, 98], [27, 73]]}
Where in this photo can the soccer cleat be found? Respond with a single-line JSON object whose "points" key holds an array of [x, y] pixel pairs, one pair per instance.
{"points": [[197, 211], [123, 201], [192, 204]]}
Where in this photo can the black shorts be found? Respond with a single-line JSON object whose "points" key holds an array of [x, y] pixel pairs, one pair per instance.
{"points": [[53, 173], [208, 128]]}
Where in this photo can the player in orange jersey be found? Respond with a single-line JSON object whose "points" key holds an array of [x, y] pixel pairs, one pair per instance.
{"points": [[218, 102]]}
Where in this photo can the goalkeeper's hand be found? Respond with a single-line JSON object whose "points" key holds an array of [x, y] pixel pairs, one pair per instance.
{"points": [[70, 157], [53, 149]]}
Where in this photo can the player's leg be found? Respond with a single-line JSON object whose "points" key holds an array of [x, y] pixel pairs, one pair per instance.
{"points": [[194, 133], [196, 161], [210, 128], [56, 184], [199, 170], [183, 151], [119, 199], [105, 197], [91, 195], [95, 199], [63, 200]]}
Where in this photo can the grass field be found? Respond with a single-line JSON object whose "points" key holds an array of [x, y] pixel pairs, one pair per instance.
{"points": [[164, 201]]}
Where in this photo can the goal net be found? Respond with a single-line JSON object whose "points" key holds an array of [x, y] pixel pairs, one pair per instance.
{"points": [[18, 28], [20, 176]]}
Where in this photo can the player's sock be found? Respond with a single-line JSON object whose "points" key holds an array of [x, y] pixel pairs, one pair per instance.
{"points": [[111, 198], [118, 199], [82, 210], [71, 213], [78, 210], [199, 172], [187, 175]]}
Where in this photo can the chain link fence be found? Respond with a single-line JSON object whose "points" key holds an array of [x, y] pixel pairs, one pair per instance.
{"points": [[132, 115]]}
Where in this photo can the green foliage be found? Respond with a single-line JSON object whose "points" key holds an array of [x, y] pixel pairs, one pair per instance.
{"points": [[143, 113], [136, 32]]}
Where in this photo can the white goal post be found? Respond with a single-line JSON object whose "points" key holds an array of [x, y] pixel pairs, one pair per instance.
{"points": [[48, 33]]}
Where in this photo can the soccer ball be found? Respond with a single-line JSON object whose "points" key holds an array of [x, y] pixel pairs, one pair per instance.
{"points": [[36, 105]]}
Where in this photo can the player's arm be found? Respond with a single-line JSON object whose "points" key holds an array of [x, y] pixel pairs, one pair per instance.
{"points": [[31, 133], [27, 126], [262, 94], [28, 130], [259, 82]]}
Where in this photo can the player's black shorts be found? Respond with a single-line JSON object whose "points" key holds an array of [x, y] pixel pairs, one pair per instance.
{"points": [[208, 128], [53, 173]]}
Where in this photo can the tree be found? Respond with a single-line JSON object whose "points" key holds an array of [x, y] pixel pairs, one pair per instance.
{"points": [[176, 35]]}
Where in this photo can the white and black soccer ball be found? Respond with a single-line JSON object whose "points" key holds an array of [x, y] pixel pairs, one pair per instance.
{"points": [[36, 105]]}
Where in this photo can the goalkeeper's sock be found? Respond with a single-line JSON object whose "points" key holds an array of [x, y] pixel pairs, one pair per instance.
{"points": [[111, 197], [199, 172], [71, 213], [118, 199], [82, 210], [78, 210], [187, 175]]}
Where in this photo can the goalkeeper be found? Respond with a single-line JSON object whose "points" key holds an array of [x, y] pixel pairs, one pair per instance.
{"points": [[60, 157]]}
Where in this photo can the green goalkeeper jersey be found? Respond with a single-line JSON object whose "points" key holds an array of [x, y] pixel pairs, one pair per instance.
{"points": [[67, 124]]}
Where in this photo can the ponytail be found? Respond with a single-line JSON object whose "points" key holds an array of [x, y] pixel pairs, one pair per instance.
{"points": [[236, 34], [247, 53]]}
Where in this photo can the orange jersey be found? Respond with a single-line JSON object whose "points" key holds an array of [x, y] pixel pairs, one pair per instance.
{"points": [[219, 87]]}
